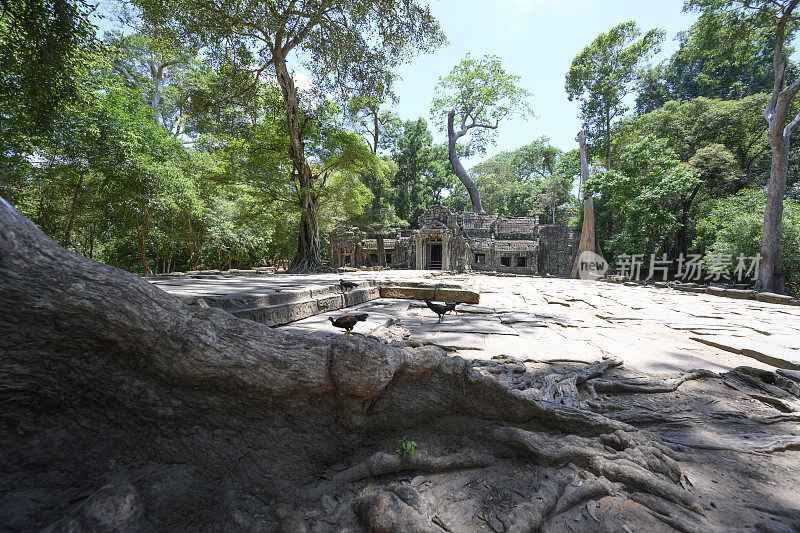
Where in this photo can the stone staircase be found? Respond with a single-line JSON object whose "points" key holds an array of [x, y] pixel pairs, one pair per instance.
{"points": [[277, 308]]}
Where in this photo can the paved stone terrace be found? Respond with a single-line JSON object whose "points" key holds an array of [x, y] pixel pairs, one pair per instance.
{"points": [[653, 330]]}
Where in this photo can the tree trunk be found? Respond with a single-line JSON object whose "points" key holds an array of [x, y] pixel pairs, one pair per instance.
{"points": [[458, 168], [158, 81], [588, 234], [308, 257], [381, 250], [126, 410], [608, 139], [682, 236], [770, 277], [71, 220], [143, 229]]}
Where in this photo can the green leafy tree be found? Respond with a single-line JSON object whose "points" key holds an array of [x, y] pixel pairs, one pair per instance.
{"points": [[724, 55], [733, 227], [379, 127], [602, 74], [44, 49], [523, 182], [477, 95], [349, 46], [692, 125], [642, 199], [415, 162], [778, 16], [160, 69]]}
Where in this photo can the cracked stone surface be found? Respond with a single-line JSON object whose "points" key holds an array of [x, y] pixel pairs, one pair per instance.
{"points": [[653, 330]]}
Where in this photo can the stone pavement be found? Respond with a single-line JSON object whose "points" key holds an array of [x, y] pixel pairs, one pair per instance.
{"points": [[650, 329], [654, 330], [277, 299]]}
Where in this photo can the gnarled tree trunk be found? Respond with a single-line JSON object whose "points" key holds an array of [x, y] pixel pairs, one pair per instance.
{"points": [[458, 168], [308, 257], [588, 234], [126, 410], [776, 114]]}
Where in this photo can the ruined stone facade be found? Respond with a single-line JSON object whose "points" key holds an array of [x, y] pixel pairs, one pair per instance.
{"points": [[462, 242]]}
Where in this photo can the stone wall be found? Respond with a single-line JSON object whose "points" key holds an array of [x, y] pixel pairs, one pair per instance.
{"points": [[474, 241], [516, 228], [557, 248], [440, 215], [514, 256]]}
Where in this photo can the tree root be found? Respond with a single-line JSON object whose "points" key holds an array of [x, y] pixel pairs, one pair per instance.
{"points": [[596, 488], [650, 386], [758, 445], [386, 512], [531, 516], [775, 384], [632, 459], [380, 463]]}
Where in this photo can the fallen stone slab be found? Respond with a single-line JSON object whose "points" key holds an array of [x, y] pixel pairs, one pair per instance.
{"points": [[322, 322], [430, 293], [291, 310], [777, 356], [732, 293], [522, 318], [475, 310], [684, 288], [771, 297], [413, 293]]}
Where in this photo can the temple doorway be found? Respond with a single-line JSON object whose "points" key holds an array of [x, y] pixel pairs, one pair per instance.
{"points": [[435, 256]]}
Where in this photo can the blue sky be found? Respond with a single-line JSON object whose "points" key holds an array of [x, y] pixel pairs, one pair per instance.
{"points": [[536, 39]]}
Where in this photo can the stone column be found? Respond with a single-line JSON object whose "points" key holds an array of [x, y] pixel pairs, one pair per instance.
{"points": [[420, 253], [445, 251]]}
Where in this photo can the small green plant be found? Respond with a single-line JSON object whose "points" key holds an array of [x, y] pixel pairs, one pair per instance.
{"points": [[407, 446]]}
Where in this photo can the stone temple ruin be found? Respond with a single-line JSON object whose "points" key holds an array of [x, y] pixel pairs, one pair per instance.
{"points": [[461, 242]]}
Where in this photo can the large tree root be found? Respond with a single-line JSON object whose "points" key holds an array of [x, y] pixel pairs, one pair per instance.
{"points": [[202, 421]]}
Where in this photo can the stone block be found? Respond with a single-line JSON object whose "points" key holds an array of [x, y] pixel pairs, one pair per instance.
{"points": [[359, 296], [412, 293], [686, 288], [771, 297], [274, 315], [741, 294], [457, 295], [330, 303]]}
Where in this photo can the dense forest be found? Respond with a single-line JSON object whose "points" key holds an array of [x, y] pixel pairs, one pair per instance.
{"points": [[181, 140]]}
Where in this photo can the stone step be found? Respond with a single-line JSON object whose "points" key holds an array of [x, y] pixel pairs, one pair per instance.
{"points": [[291, 311]]}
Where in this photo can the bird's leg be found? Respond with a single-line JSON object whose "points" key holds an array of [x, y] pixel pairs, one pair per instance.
{"points": [[347, 332]]}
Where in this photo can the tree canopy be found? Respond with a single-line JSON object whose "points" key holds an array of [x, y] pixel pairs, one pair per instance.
{"points": [[476, 95], [601, 75]]}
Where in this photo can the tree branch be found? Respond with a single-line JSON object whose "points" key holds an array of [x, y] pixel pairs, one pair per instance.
{"points": [[130, 81], [787, 131], [171, 62]]}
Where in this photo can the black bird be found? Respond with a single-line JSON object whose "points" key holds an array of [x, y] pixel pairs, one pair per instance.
{"points": [[439, 309], [347, 286], [451, 305], [348, 322]]}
